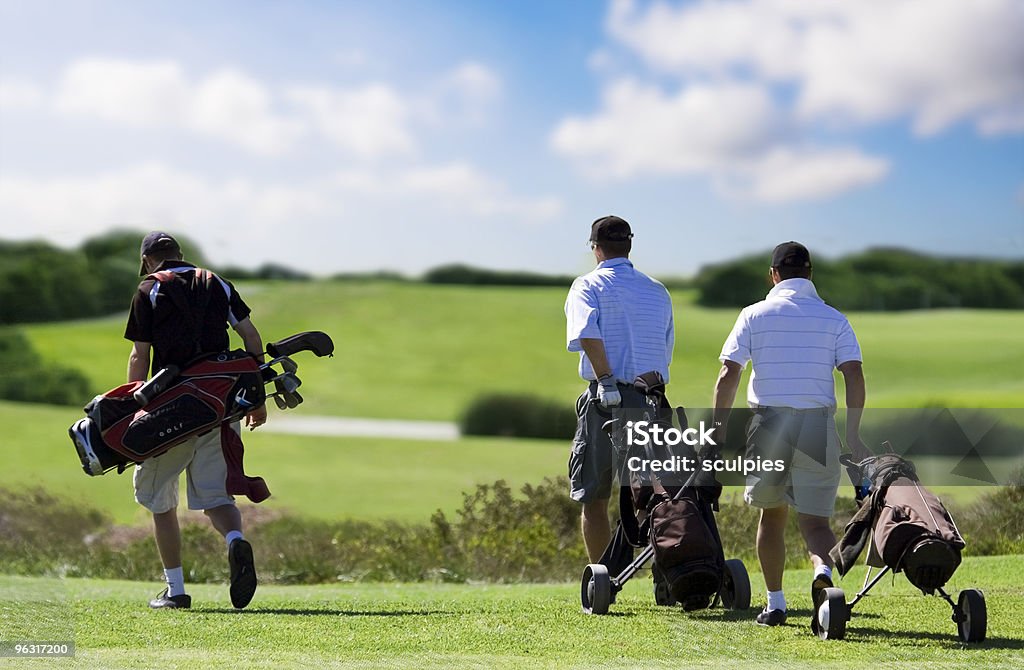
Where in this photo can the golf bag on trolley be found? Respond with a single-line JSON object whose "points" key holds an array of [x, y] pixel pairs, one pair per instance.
{"points": [[674, 524], [909, 530], [141, 420]]}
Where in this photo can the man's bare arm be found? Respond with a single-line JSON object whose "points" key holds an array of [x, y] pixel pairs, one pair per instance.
{"points": [[724, 396], [138, 362], [856, 395], [251, 339], [594, 349]]}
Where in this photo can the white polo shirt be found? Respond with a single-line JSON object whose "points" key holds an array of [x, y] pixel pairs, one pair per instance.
{"points": [[794, 341], [629, 311]]}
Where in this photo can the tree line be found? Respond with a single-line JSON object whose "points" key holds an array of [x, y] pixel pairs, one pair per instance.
{"points": [[879, 279], [42, 282]]}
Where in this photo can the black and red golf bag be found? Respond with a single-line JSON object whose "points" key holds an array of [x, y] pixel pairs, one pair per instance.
{"points": [[138, 421]]}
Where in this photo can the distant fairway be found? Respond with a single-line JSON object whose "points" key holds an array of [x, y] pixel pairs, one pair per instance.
{"points": [[420, 351], [323, 477]]}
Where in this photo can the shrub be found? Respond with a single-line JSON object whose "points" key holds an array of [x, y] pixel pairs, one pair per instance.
{"points": [[26, 378], [465, 274], [514, 415]]}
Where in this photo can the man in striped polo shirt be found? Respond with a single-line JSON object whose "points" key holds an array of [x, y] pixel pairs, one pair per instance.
{"points": [[620, 322], [794, 342]]}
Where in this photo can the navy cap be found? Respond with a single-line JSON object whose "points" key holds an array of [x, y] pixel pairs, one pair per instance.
{"points": [[610, 229], [791, 255], [156, 241]]}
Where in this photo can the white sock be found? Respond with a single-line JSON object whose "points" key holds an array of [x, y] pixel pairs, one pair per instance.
{"points": [[175, 579], [823, 570], [232, 536], [776, 601]]}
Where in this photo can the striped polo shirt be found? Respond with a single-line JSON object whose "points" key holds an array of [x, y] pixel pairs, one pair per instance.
{"points": [[629, 311], [794, 341]]}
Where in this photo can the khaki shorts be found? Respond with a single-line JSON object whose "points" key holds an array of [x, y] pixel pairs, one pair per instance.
{"points": [[202, 460], [807, 441], [592, 461]]}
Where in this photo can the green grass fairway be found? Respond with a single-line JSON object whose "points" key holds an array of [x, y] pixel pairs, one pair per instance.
{"points": [[422, 351], [541, 626], [322, 477]]}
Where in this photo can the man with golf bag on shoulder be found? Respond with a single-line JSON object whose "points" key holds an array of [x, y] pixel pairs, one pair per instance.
{"points": [[178, 313], [620, 322]]}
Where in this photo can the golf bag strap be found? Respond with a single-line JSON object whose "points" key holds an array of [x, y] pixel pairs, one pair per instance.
{"points": [[237, 482]]}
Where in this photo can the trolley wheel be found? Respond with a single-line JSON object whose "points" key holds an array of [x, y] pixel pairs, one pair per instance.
{"points": [[973, 622], [595, 589], [735, 586], [831, 615]]}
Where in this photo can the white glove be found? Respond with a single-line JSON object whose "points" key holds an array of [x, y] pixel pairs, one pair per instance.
{"points": [[608, 395]]}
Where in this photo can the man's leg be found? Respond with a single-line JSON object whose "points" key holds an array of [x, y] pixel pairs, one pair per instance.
{"points": [[225, 518], [168, 538], [206, 491], [818, 536], [597, 531], [771, 545]]}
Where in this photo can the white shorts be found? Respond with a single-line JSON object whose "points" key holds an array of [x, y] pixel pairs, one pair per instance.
{"points": [[201, 458]]}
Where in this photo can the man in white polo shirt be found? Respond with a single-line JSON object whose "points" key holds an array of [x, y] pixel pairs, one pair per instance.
{"points": [[620, 322], [794, 342]]}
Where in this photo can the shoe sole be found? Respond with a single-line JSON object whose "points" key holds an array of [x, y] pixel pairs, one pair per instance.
{"points": [[243, 574]]}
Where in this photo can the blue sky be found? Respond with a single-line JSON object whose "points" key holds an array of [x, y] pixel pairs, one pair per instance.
{"points": [[344, 136]]}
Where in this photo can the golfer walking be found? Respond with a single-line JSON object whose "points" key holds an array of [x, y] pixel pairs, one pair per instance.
{"points": [[175, 318], [794, 341], [620, 322]]}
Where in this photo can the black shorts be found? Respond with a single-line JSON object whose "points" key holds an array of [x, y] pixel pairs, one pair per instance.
{"points": [[592, 463]]}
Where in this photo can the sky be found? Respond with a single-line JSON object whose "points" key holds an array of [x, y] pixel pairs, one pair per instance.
{"points": [[356, 136]]}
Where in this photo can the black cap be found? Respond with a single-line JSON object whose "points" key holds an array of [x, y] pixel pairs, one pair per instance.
{"points": [[156, 241], [791, 255], [610, 229]]}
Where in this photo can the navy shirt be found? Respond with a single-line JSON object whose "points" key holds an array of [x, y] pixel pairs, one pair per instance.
{"points": [[171, 316]]}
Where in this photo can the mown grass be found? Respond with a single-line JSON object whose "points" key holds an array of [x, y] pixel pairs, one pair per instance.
{"points": [[537, 626], [422, 351], [319, 477]]}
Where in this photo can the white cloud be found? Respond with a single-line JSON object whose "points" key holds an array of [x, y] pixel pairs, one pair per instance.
{"points": [[241, 220], [19, 94], [731, 132], [227, 104], [641, 130], [466, 95], [370, 121], [786, 174], [936, 62]]}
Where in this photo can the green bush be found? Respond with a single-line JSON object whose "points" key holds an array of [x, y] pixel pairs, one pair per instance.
{"points": [[994, 524], [465, 274], [515, 415], [24, 377], [495, 536]]}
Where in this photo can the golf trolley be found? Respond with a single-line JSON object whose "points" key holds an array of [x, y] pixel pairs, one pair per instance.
{"points": [[688, 516], [927, 564], [138, 421]]}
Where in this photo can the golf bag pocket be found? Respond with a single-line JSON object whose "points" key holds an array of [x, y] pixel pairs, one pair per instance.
{"points": [[914, 533], [686, 550]]}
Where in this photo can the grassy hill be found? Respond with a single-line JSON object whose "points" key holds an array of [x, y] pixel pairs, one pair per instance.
{"points": [[523, 626], [422, 351]]}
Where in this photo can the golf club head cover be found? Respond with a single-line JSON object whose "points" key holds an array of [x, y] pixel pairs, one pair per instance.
{"points": [[320, 343]]}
